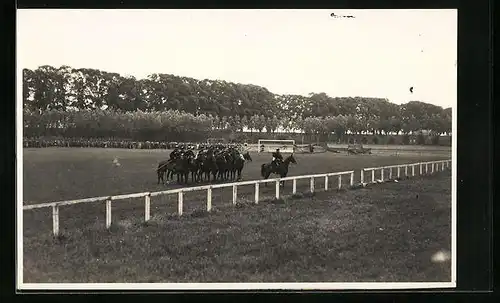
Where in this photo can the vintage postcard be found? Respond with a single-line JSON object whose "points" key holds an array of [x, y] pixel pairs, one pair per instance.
{"points": [[236, 149]]}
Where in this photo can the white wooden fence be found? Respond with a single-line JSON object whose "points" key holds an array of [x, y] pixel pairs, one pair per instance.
{"points": [[434, 166], [180, 191], [180, 195]]}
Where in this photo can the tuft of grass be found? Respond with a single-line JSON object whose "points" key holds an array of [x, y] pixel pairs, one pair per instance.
{"points": [[198, 213], [280, 200], [243, 203], [309, 194]]}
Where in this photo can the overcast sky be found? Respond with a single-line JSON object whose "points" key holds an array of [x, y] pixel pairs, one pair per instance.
{"points": [[379, 53]]}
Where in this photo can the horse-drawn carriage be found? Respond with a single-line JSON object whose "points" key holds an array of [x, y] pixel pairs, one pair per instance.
{"points": [[358, 148]]}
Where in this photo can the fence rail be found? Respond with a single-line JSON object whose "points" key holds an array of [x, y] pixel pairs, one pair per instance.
{"points": [[180, 191], [445, 164]]}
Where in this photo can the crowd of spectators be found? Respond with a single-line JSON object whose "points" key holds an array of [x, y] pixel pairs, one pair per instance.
{"points": [[101, 143]]}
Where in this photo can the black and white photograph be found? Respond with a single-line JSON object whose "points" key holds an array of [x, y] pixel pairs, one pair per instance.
{"points": [[249, 149]]}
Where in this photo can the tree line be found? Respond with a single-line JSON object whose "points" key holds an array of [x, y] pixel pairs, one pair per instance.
{"points": [[91, 103]]}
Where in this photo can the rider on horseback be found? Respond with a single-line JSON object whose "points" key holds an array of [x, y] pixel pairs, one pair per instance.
{"points": [[174, 154], [277, 158]]}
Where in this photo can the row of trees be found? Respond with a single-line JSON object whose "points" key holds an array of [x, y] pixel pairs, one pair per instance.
{"points": [[169, 124], [70, 98]]}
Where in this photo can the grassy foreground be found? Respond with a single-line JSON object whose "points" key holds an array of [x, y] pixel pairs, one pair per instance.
{"points": [[383, 233]]}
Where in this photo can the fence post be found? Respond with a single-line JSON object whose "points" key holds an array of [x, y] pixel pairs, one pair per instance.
{"points": [[180, 201], [55, 220], [406, 170], [399, 171], [340, 182], [390, 173], [382, 174], [277, 185], [209, 199], [147, 207], [373, 175], [326, 182], [442, 166], [421, 169], [413, 170], [294, 186], [432, 168], [108, 213], [312, 184], [257, 193], [362, 176], [352, 178], [235, 193]]}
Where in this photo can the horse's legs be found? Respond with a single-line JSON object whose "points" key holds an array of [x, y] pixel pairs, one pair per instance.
{"points": [[268, 173]]}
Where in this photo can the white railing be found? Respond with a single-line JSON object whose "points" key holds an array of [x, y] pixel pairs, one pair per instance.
{"points": [[180, 195], [435, 166]]}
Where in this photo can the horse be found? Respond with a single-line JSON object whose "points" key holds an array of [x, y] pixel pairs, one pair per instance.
{"points": [[222, 166], [193, 167], [209, 166], [229, 165], [239, 163], [282, 169], [166, 166], [160, 170], [182, 169]]}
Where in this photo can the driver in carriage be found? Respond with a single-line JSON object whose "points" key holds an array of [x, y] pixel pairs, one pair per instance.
{"points": [[277, 158]]}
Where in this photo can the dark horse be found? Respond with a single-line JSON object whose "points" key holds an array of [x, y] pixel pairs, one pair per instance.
{"points": [[222, 162], [168, 167], [238, 164], [281, 170], [208, 166], [194, 167], [183, 168]]}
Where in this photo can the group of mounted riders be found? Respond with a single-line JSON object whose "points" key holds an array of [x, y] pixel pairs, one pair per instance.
{"points": [[215, 162]]}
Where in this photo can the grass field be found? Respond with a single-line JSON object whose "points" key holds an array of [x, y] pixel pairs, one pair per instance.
{"points": [[53, 174], [381, 233]]}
